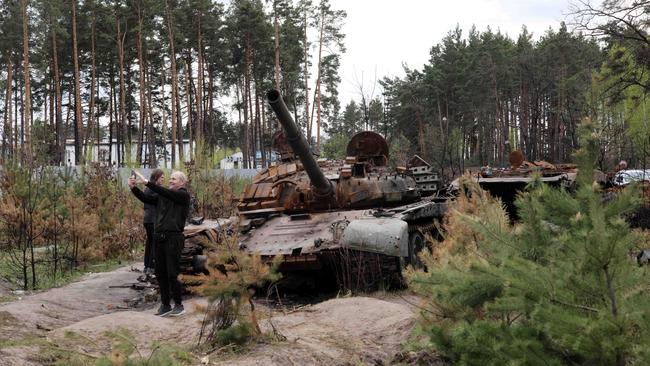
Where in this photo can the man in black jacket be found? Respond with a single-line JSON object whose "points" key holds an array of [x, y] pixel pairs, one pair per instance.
{"points": [[172, 206]]}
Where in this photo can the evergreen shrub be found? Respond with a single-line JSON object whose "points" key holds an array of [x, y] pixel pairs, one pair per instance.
{"points": [[558, 287]]}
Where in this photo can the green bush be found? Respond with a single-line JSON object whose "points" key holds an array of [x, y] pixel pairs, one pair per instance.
{"points": [[559, 287], [238, 334]]}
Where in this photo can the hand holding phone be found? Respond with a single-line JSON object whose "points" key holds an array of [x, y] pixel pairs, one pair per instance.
{"points": [[139, 178]]}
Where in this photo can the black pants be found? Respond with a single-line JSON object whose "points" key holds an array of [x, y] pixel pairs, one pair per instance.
{"points": [[168, 256], [149, 246]]}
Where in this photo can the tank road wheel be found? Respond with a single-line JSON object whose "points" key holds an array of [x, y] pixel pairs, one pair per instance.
{"points": [[416, 244]]}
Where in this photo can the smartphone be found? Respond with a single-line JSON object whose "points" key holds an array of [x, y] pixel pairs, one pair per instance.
{"points": [[133, 174]]}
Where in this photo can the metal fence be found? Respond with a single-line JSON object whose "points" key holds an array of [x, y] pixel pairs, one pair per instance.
{"points": [[123, 173]]}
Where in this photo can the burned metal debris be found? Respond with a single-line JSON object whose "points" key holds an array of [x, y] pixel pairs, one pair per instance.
{"points": [[506, 183]]}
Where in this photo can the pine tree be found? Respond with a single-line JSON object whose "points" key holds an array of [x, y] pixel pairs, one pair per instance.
{"points": [[231, 281], [557, 288]]}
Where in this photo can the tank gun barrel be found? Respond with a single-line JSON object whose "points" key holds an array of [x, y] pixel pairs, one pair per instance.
{"points": [[298, 143]]}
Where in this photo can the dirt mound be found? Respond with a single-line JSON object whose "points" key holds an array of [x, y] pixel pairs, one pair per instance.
{"points": [[336, 332], [34, 315], [88, 318], [95, 294], [355, 330], [142, 329]]}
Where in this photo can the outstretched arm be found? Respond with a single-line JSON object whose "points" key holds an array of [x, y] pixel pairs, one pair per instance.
{"points": [[143, 197], [179, 196]]}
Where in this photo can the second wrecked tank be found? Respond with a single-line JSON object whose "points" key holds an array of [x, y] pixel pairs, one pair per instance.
{"points": [[357, 220]]}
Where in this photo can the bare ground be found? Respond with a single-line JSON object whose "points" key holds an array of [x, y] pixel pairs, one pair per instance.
{"points": [[344, 331], [33, 317], [79, 317]]}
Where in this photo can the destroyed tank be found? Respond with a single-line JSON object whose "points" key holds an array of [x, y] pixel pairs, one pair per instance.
{"points": [[506, 183], [357, 219]]}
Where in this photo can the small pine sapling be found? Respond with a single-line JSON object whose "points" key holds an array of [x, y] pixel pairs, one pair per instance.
{"points": [[233, 275]]}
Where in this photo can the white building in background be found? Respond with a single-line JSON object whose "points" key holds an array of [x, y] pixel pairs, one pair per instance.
{"points": [[100, 152], [234, 161]]}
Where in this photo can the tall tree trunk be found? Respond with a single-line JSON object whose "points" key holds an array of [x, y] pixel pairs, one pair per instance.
{"points": [[306, 56], [561, 112], [27, 104], [246, 150], [260, 129], [16, 99], [45, 82], [52, 127], [211, 105], [96, 120], [252, 127], [188, 101], [69, 114], [91, 107], [142, 115], [21, 143], [151, 138], [116, 110], [179, 128], [111, 106], [128, 127], [253, 124], [247, 100], [265, 128], [318, 77], [121, 124], [172, 58], [60, 138], [239, 94], [7, 145], [199, 83], [78, 129], [164, 119], [276, 29], [524, 119]]}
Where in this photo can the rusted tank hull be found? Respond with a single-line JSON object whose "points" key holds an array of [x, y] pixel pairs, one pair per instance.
{"points": [[309, 242], [305, 234]]}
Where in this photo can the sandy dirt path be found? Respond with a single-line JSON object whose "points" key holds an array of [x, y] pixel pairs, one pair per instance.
{"points": [[34, 316], [343, 331]]}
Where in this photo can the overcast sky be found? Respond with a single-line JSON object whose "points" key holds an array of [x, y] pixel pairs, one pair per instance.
{"points": [[381, 35]]}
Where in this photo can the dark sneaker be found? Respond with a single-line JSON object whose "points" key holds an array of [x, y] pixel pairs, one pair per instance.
{"points": [[178, 310], [164, 310]]}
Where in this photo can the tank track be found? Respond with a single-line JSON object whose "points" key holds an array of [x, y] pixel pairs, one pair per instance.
{"points": [[360, 271], [423, 228]]}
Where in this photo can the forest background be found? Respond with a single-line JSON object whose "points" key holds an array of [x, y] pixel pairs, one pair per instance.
{"points": [[148, 75]]}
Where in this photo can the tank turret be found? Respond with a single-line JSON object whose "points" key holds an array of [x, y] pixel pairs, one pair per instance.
{"points": [[322, 186]]}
